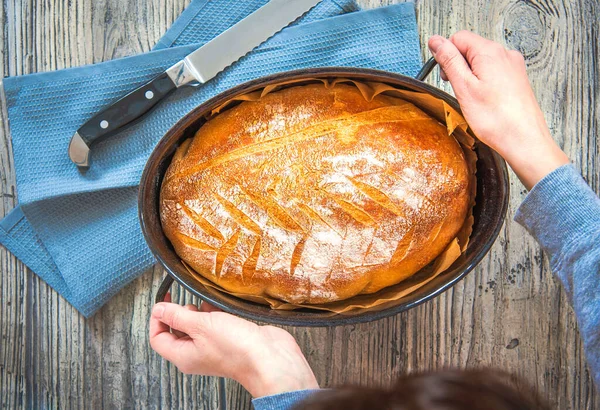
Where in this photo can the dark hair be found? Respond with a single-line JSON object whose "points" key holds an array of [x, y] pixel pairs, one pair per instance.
{"points": [[444, 390]]}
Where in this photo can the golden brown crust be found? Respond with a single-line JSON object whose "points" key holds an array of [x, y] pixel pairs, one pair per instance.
{"points": [[312, 195]]}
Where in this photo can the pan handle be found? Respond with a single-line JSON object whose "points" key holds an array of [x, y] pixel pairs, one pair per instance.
{"points": [[426, 69], [164, 289]]}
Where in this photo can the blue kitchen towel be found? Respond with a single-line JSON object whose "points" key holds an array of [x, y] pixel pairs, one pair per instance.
{"points": [[79, 231]]}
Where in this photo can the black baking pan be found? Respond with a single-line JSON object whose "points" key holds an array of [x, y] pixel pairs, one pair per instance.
{"points": [[489, 211]]}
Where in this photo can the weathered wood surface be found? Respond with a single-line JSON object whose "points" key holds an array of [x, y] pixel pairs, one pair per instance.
{"points": [[509, 313]]}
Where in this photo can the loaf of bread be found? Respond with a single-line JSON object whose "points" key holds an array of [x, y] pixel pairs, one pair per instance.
{"points": [[314, 194]]}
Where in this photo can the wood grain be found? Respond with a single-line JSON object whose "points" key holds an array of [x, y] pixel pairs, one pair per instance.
{"points": [[509, 313]]}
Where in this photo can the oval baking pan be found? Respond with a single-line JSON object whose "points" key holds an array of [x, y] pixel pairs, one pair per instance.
{"points": [[489, 211]]}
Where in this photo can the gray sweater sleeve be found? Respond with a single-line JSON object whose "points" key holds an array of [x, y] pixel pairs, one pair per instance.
{"points": [[282, 401], [563, 214]]}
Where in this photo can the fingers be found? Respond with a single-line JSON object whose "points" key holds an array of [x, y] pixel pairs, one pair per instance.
{"points": [[443, 75], [176, 350], [177, 333], [472, 46], [177, 317], [170, 327], [191, 308], [157, 327], [207, 307], [176, 347], [469, 44], [161, 337], [163, 341], [453, 64]]}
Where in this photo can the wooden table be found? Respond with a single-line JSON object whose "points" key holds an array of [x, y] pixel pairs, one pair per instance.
{"points": [[510, 313]]}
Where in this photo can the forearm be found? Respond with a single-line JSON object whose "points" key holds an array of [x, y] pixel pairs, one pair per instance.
{"points": [[563, 214], [275, 367], [532, 164], [531, 151], [285, 373]]}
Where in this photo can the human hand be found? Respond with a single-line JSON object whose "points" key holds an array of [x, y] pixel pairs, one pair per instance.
{"points": [[265, 360], [497, 101]]}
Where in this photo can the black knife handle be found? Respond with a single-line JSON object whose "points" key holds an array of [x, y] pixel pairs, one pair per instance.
{"points": [[126, 110]]}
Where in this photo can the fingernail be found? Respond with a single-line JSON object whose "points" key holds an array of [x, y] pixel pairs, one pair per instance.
{"points": [[157, 311], [435, 43]]}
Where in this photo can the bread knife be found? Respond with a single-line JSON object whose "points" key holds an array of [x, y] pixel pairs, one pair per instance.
{"points": [[197, 68]]}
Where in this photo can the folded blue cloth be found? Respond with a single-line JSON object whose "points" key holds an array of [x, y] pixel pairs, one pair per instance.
{"points": [[79, 231]]}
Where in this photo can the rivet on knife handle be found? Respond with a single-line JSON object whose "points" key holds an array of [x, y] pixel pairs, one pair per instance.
{"points": [[118, 115]]}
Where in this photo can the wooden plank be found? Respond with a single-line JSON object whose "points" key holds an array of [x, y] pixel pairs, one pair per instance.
{"points": [[509, 313]]}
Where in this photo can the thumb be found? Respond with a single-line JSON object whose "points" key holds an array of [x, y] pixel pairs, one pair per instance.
{"points": [[178, 317], [452, 63]]}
